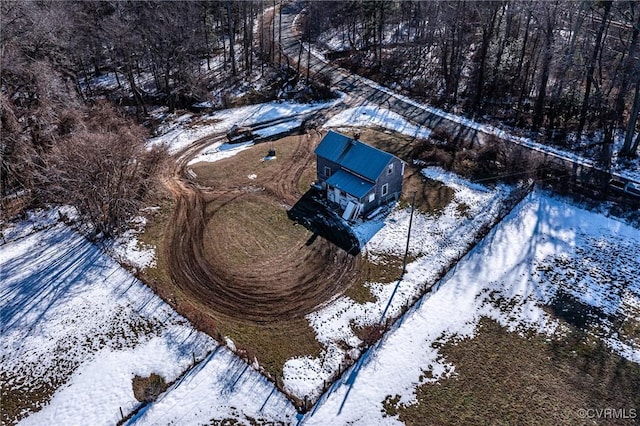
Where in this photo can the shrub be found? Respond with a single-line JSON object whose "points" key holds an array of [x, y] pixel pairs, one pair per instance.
{"points": [[147, 389]]}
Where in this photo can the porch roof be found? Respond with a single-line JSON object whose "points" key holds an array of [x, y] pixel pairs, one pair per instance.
{"points": [[349, 183]]}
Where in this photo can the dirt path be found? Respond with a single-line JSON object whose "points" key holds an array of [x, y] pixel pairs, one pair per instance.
{"points": [[259, 284]]}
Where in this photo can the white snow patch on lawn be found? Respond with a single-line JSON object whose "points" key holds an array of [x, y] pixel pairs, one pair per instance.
{"points": [[219, 151], [373, 115], [73, 318], [516, 261], [279, 128], [128, 250]]}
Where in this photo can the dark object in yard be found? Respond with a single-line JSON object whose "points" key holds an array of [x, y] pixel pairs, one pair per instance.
{"points": [[239, 134], [630, 188], [272, 152]]}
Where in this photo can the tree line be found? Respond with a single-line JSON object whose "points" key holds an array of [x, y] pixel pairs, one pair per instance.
{"points": [[562, 68], [62, 141], [557, 68]]}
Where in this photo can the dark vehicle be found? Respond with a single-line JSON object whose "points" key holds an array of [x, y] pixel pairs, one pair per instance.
{"points": [[239, 134], [630, 188]]}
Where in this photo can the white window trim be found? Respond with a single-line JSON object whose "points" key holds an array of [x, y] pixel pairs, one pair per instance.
{"points": [[372, 197], [390, 169], [327, 171], [385, 189]]}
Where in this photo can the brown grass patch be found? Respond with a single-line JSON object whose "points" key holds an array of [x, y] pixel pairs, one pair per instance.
{"points": [[253, 231], [524, 380], [272, 345], [147, 389], [226, 173]]}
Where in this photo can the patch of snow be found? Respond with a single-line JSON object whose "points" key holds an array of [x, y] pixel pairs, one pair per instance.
{"points": [[128, 250], [181, 136], [279, 128], [373, 115], [219, 151], [74, 319], [531, 238], [36, 220], [222, 387]]}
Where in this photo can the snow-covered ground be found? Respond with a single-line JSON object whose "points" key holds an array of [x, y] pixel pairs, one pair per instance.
{"points": [[436, 242], [374, 115], [180, 132], [126, 249], [72, 318], [71, 315], [543, 248], [75, 321]]}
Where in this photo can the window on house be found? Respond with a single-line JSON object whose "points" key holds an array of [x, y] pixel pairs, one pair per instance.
{"points": [[385, 189], [372, 197], [390, 169], [327, 171]]}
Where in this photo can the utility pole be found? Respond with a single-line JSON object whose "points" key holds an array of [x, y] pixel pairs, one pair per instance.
{"points": [[406, 251]]}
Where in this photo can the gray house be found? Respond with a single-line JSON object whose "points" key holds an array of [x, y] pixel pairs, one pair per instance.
{"points": [[356, 176]]}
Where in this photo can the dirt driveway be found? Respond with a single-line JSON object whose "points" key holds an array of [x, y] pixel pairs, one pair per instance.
{"points": [[231, 247]]}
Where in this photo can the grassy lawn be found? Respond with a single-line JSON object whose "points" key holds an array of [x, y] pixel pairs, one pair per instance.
{"points": [[505, 378], [251, 230]]}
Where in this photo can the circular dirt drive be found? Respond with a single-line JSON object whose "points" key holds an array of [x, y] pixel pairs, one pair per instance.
{"points": [[235, 250]]}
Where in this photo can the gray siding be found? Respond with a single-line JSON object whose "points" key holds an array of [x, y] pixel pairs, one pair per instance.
{"points": [[321, 164], [394, 180]]}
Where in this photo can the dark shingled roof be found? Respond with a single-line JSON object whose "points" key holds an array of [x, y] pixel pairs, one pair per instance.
{"points": [[353, 155]]}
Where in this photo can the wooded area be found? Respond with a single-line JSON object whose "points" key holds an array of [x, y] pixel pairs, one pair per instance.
{"points": [[60, 141], [563, 68], [559, 69]]}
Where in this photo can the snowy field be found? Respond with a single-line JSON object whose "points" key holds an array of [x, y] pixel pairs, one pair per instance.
{"points": [[76, 324], [72, 317], [545, 247], [180, 132]]}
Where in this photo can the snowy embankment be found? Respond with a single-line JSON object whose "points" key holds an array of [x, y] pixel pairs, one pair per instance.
{"points": [[77, 326], [544, 248], [374, 115]]}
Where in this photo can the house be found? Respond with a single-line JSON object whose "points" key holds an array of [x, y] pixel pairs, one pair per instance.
{"points": [[355, 176]]}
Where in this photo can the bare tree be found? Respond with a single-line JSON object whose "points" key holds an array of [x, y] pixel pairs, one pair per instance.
{"points": [[103, 169]]}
